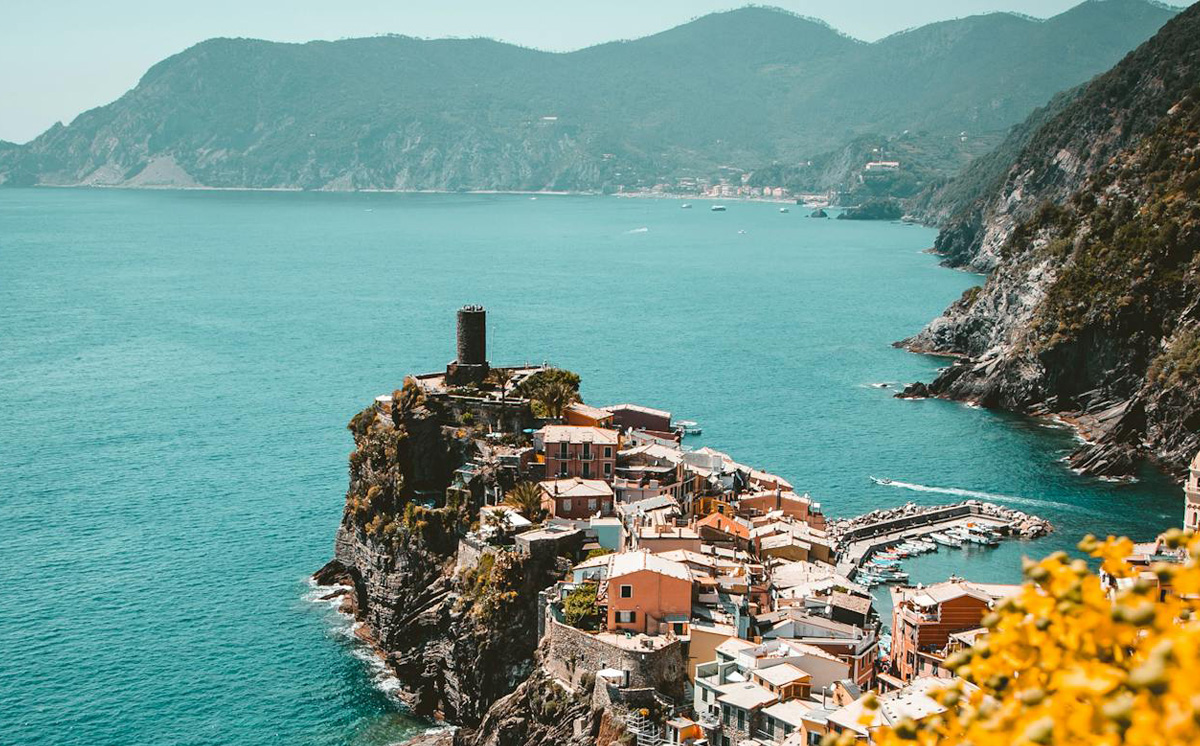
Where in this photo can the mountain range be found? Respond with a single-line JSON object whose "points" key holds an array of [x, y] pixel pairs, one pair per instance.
{"points": [[1088, 221], [738, 91]]}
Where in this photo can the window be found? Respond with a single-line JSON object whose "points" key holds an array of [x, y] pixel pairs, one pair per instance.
{"points": [[591, 501], [566, 505], [562, 449], [627, 591], [587, 450], [626, 617], [741, 719], [587, 472], [607, 451], [607, 469]]}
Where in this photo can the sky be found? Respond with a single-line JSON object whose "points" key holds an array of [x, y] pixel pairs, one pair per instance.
{"points": [[59, 58]]}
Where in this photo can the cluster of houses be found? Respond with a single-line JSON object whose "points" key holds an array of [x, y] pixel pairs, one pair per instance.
{"points": [[691, 548], [712, 585]]}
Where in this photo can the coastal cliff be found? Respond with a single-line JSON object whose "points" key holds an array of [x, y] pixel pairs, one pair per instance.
{"points": [[458, 636], [1093, 243]]}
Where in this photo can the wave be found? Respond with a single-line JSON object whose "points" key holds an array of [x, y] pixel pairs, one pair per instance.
{"points": [[347, 627], [637, 230], [978, 495]]}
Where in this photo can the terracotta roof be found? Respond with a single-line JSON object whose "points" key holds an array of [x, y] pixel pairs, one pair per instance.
{"points": [[724, 524]]}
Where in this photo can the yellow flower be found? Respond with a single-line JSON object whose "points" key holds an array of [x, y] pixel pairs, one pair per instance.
{"points": [[1074, 659]]}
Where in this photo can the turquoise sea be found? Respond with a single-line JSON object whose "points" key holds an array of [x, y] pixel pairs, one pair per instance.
{"points": [[176, 369]]}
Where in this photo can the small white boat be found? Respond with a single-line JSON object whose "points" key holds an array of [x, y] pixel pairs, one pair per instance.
{"points": [[687, 427], [717, 208], [879, 480], [784, 209], [946, 540], [686, 206]]}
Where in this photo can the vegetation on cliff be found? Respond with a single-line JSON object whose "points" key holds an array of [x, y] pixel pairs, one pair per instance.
{"points": [[1091, 309], [882, 209], [1063, 663]]}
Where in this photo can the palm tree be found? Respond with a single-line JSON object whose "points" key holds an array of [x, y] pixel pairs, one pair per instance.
{"points": [[497, 523], [502, 376], [526, 499], [556, 396]]}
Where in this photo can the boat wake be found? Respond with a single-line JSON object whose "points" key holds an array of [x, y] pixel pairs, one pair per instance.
{"points": [[637, 230], [976, 494]]}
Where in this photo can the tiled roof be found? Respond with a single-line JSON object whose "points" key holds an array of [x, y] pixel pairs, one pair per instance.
{"points": [[627, 563], [576, 487], [579, 434]]}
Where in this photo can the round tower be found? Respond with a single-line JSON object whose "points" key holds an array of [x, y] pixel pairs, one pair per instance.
{"points": [[472, 335], [1191, 496], [471, 365]]}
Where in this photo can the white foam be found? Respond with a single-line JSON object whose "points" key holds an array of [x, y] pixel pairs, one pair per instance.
{"points": [[976, 494], [638, 230]]}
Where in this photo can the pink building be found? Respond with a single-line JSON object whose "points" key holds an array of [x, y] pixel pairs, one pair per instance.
{"points": [[580, 451]]}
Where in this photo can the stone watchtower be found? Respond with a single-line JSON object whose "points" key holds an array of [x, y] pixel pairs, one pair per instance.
{"points": [[471, 366], [1191, 496]]}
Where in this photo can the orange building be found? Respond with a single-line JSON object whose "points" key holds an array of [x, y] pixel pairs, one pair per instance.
{"points": [[648, 594], [579, 451], [586, 416], [720, 528], [923, 620]]}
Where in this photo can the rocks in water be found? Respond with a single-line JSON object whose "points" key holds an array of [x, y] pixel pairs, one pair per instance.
{"points": [[818, 213], [916, 390]]}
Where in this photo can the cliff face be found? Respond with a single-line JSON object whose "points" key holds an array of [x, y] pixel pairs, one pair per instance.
{"points": [[1091, 310], [1060, 147], [458, 640]]}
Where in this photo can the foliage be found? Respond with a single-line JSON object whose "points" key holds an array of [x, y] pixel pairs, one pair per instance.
{"points": [[526, 498], [580, 609], [494, 586], [550, 390], [1065, 663], [1179, 364], [882, 209], [592, 554]]}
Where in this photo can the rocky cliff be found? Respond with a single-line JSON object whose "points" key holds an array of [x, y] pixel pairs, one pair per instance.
{"points": [[458, 635], [1090, 311]]}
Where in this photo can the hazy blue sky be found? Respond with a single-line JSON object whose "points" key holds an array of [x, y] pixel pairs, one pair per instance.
{"points": [[60, 57]]}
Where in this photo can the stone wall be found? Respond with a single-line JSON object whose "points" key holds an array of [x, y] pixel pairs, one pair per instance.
{"points": [[510, 416], [568, 653]]}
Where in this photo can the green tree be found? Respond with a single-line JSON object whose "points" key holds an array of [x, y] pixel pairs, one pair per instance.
{"points": [[580, 608], [526, 498]]}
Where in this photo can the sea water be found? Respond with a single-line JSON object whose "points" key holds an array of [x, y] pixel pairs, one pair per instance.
{"points": [[177, 368]]}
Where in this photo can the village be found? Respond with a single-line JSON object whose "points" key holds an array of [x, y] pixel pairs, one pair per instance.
{"points": [[701, 596]]}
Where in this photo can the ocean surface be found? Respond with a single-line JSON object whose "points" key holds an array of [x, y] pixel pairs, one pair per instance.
{"points": [[177, 368]]}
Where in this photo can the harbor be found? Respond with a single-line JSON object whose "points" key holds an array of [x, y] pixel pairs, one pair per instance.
{"points": [[871, 547]]}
